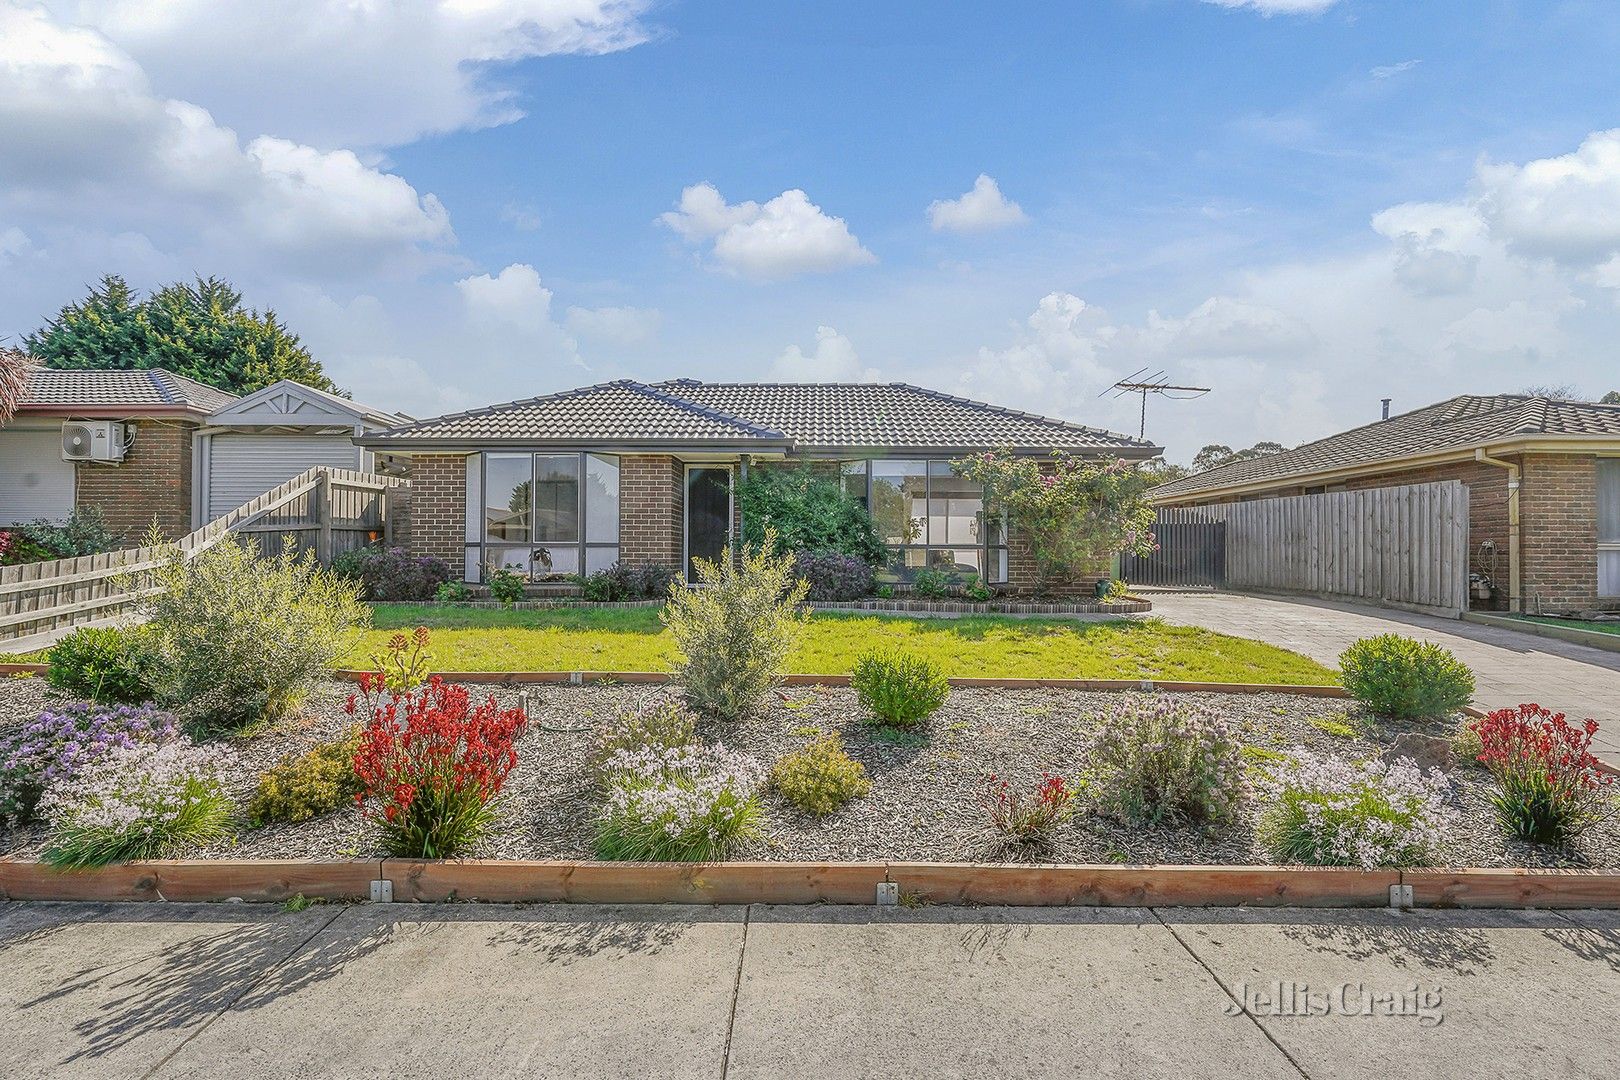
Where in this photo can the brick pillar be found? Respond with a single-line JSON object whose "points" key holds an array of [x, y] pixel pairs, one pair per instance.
{"points": [[1558, 532], [652, 509], [437, 524], [152, 482]]}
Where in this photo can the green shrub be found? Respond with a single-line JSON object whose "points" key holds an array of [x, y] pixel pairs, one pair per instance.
{"points": [[108, 665], [735, 632], [85, 532], [242, 638], [820, 777], [1405, 679], [664, 725], [899, 691], [453, 592], [803, 511], [692, 804], [308, 785], [932, 584], [1164, 762], [507, 586], [974, 588]]}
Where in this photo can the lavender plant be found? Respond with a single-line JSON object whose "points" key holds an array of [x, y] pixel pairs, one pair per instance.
{"points": [[1159, 761], [1330, 812], [63, 740], [138, 802], [683, 804]]}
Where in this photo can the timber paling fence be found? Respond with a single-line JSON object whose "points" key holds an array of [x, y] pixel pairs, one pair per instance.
{"points": [[1402, 546], [325, 510]]}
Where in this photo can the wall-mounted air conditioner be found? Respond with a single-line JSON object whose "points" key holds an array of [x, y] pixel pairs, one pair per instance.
{"points": [[94, 440]]}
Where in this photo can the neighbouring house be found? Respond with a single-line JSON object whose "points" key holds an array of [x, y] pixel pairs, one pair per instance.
{"points": [[1543, 479], [572, 482], [149, 445]]}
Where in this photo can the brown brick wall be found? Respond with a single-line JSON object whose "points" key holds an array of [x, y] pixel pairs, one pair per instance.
{"points": [[1558, 532], [437, 523], [152, 482], [652, 505]]}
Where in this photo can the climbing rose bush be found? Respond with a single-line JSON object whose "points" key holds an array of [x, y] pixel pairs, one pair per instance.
{"points": [[1330, 812], [431, 765], [1076, 517], [63, 740], [1550, 788], [141, 801], [678, 804]]}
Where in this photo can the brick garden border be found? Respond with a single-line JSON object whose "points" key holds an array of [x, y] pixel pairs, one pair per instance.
{"points": [[585, 882]]}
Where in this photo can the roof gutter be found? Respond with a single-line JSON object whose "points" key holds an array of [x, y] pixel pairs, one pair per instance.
{"points": [[1515, 594]]}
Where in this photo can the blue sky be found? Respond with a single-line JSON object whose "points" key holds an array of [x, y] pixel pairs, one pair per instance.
{"points": [[1307, 204]]}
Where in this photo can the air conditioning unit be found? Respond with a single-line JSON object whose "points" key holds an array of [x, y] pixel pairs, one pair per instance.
{"points": [[94, 440]]}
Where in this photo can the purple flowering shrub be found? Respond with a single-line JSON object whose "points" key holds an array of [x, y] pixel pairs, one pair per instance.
{"points": [[64, 740], [392, 573], [1159, 761], [833, 576]]}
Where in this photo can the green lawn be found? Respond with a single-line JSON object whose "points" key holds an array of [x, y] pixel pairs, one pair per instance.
{"points": [[632, 639], [1606, 627]]}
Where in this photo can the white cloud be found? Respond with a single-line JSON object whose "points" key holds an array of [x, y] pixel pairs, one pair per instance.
{"points": [[84, 139], [514, 296], [353, 72], [13, 242], [614, 325], [1269, 8], [1389, 71], [788, 235], [1566, 208], [522, 218], [834, 360], [984, 207]]}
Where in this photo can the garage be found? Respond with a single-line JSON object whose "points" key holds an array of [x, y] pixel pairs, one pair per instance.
{"points": [[34, 480]]}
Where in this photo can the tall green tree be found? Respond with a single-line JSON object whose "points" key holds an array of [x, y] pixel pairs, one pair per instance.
{"points": [[201, 330]]}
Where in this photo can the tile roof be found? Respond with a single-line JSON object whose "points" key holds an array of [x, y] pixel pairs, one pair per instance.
{"points": [[145, 388], [798, 416], [1469, 420]]}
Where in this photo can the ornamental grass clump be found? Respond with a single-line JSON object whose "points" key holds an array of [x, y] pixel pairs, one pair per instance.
{"points": [[1028, 816], [657, 725], [820, 777], [899, 692], [1330, 812], [431, 764], [1162, 762], [63, 740], [1549, 787], [1405, 679], [138, 802], [687, 804], [734, 633], [242, 637]]}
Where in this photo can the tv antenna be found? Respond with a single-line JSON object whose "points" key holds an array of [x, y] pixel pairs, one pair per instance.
{"points": [[1139, 382]]}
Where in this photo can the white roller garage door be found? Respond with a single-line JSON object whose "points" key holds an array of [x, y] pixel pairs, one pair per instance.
{"points": [[34, 480], [243, 466]]}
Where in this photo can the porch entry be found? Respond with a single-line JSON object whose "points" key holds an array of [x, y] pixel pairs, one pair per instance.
{"points": [[708, 515]]}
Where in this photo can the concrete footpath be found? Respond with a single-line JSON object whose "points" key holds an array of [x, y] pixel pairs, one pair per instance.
{"points": [[140, 990]]}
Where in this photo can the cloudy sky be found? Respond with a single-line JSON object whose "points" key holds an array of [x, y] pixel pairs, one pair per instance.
{"points": [[1305, 204]]}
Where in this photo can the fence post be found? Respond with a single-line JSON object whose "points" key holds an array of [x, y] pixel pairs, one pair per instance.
{"points": [[388, 516], [323, 511]]}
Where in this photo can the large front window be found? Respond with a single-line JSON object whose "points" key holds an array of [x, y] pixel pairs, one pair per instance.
{"points": [[928, 516], [1608, 514], [545, 516]]}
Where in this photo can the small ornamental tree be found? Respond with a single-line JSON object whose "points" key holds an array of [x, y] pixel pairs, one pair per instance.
{"points": [[1075, 517]]}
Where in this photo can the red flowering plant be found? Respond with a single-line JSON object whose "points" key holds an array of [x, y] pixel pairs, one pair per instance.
{"points": [[1550, 788], [430, 764], [1024, 816]]}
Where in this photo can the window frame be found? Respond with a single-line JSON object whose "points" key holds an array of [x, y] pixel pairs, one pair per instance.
{"points": [[995, 560], [582, 546], [1605, 547]]}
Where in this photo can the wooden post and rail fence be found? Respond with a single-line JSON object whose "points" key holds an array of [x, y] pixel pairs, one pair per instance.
{"points": [[324, 509]]}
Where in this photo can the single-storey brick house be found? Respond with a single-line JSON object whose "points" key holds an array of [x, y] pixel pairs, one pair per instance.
{"points": [[1543, 479], [571, 482], [148, 444]]}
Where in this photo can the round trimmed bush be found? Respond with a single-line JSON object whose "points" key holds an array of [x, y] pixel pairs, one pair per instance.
{"points": [[899, 691], [1405, 679]]}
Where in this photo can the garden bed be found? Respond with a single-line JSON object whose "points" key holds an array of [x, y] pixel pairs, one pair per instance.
{"points": [[924, 804]]}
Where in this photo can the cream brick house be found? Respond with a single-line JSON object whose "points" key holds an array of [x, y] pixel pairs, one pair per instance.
{"points": [[571, 482], [1543, 477]]}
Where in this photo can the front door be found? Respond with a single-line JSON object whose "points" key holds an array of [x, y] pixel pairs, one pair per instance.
{"points": [[708, 514]]}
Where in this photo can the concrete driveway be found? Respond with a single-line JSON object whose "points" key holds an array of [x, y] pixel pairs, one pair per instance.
{"points": [[142, 990], [1509, 667]]}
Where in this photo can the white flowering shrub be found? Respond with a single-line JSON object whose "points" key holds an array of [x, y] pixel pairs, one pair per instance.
{"points": [[1160, 761], [678, 804], [137, 802], [1330, 812]]}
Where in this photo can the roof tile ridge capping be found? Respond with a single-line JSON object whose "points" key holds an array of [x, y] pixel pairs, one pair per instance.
{"points": [[486, 410], [659, 394], [1004, 411], [1456, 407], [158, 377]]}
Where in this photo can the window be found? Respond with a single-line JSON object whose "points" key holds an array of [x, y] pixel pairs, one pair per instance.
{"points": [[543, 515], [1608, 530], [928, 516]]}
